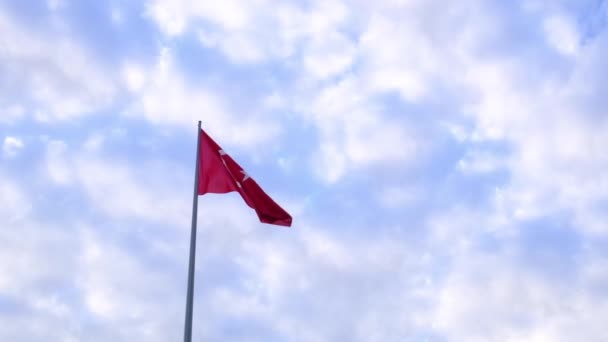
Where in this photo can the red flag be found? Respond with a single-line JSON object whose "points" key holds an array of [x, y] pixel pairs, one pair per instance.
{"points": [[219, 174]]}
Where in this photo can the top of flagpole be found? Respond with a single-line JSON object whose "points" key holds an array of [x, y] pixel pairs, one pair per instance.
{"points": [[199, 124]]}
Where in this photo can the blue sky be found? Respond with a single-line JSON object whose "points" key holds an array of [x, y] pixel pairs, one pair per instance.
{"points": [[444, 162]]}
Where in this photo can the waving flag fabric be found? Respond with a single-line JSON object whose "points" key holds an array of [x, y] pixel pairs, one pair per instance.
{"points": [[219, 173]]}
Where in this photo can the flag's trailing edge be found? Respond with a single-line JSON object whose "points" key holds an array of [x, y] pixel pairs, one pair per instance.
{"points": [[219, 174]]}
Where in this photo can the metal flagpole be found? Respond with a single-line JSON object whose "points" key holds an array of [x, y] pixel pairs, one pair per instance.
{"points": [[190, 294]]}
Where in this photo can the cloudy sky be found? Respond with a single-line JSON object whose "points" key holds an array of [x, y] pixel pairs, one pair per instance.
{"points": [[445, 163]]}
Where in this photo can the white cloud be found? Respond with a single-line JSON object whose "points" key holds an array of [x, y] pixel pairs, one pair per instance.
{"points": [[404, 64], [58, 167], [13, 202], [113, 188], [68, 283], [330, 163], [55, 5], [321, 38], [110, 277], [11, 113], [489, 298], [328, 55], [475, 162], [50, 74], [554, 141], [256, 31], [166, 97], [464, 274], [354, 132], [236, 25], [12, 146], [301, 287], [94, 142], [562, 34], [396, 197], [116, 15], [173, 16], [134, 77], [503, 285], [546, 121]]}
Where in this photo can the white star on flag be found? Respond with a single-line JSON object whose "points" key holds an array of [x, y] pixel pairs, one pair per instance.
{"points": [[246, 176]]}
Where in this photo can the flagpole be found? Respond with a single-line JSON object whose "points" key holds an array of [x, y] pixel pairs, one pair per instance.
{"points": [[190, 294]]}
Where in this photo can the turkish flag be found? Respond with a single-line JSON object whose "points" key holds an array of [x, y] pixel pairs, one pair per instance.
{"points": [[219, 174]]}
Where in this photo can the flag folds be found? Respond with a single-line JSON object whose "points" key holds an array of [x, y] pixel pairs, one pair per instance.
{"points": [[219, 173]]}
